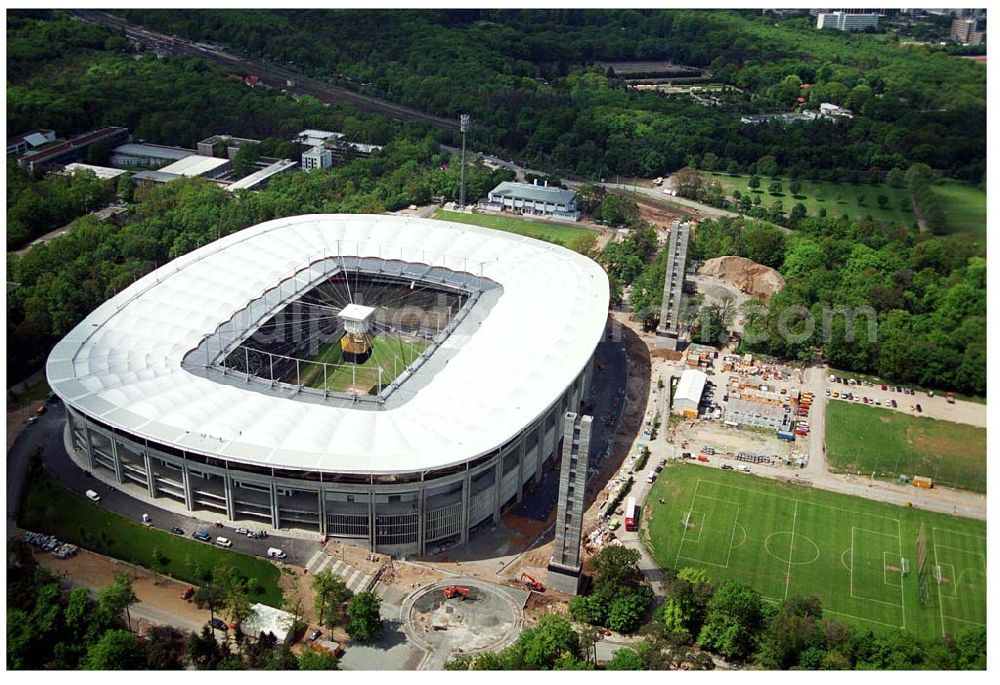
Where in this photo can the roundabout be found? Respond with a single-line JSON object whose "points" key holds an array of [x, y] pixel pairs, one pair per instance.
{"points": [[487, 619]]}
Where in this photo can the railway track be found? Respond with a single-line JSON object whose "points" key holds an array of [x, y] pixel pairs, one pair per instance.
{"points": [[270, 74]]}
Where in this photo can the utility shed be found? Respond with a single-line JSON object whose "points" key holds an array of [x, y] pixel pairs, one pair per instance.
{"points": [[689, 392]]}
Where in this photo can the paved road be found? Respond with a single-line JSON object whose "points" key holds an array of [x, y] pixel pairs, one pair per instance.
{"points": [[270, 74], [48, 434]]}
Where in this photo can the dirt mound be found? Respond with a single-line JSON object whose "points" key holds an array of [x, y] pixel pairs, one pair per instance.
{"points": [[756, 280]]}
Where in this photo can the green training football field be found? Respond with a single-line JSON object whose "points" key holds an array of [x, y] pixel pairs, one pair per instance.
{"points": [[865, 439], [863, 559]]}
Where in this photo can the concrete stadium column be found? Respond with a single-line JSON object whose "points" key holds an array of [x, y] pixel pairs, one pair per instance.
{"points": [[541, 451], [498, 488], [371, 519], [466, 502], [230, 499], [520, 469], [150, 478], [117, 458], [88, 450], [275, 515], [188, 495], [421, 508], [321, 508]]}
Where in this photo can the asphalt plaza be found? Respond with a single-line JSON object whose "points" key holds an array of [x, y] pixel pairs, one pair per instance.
{"points": [[859, 557]]}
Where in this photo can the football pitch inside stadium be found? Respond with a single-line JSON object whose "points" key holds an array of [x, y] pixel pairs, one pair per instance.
{"points": [[871, 564], [326, 369]]}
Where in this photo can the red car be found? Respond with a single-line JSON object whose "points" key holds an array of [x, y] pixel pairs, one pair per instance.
{"points": [[188, 593], [702, 457]]}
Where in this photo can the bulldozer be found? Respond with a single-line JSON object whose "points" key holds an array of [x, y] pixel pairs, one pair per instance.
{"points": [[453, 591]]}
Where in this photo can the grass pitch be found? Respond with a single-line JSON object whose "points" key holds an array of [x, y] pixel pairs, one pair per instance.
{"points": [[864, 439], [787, 540], [51, 508], [393, 355], [552, 233]]}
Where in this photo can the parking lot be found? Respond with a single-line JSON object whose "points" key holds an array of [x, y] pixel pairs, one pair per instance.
{"points": [[914, 402]]}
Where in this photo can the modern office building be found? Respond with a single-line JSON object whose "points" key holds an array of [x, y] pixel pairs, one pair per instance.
{"points": [[531, 198]]}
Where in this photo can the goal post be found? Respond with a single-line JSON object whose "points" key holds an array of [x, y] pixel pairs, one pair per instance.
{"points": [[687, 520]]}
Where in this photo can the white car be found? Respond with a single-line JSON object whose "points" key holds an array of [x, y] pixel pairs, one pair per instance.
{"points": [[93, 496], [651, 476], [242, 531], [276, 553], [223, 542], [744, 468]]}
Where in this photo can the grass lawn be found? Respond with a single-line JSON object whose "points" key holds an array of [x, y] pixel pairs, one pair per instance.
{"points": [[837, 198], [888, 442], [788, 540], [393, 355], [51, 508], [964, 207], [549, 232]]}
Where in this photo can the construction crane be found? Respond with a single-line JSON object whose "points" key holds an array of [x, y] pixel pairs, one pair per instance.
{"points": [[531, 582], [453, 591]]}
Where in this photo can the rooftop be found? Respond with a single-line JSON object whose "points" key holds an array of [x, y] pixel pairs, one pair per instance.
{"points": [[258, 177], [537, 193], [194, 165], [691, 385], [152, 150], [102, 172]]}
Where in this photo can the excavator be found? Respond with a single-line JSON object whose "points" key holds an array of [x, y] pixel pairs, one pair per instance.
{"points": [[453, 591], [531, 582]]}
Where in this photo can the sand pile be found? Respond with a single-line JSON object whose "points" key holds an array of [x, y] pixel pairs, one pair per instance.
{"points": [[756, 280]]}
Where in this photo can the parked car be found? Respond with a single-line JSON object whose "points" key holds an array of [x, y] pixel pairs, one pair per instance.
{"points": [[188, 593], [93, 496], [918, 408], [745, 468], [242, 531], [893, 403], [651, 476], [727, 467], [885, 387], [315, 635], [865, 399], [218, 624], [202, 535], [177, 531], [275, 553], [223, 542]]}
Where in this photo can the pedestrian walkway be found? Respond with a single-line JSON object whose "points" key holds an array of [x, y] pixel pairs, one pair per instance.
{"points": [[356, 580]]}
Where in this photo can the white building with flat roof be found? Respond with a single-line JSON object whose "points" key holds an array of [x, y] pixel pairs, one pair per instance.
{"points": [[103, 173], [198, 165], [317, 157], [531, 198], [687, 397]]}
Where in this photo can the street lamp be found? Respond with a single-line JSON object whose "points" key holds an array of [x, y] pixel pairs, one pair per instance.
{"points": [[464, 127]]}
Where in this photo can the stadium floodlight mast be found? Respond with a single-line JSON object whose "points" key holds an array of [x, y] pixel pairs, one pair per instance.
{"points": [[464, 127]]}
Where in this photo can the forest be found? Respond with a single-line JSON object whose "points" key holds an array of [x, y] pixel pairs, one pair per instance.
{"points": [[530, 82], [928, 293]]}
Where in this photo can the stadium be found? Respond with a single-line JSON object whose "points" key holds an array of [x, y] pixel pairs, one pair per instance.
{"points": [[395, 380]]}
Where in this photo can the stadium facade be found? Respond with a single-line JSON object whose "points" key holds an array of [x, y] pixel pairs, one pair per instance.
{"points": [[202, 383]]}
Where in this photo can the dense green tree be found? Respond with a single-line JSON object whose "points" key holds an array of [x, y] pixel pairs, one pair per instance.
{"points": [[364, 619], [312, 660], [734, 619], [118, 598], [116, 650], [626, 659]]}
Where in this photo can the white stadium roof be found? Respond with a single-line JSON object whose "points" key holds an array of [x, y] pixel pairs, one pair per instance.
{"points": [[122, 364]]}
